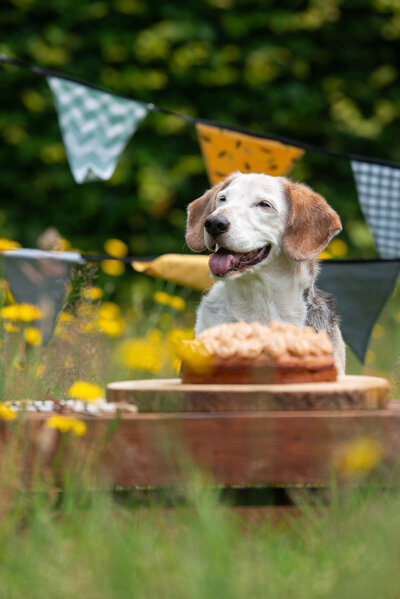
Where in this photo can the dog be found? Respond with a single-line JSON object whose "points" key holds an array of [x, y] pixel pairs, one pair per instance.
{"points": [[265, 234]]}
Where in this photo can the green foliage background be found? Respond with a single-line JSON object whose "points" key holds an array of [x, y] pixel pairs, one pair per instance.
{"points": [[320, 71]]}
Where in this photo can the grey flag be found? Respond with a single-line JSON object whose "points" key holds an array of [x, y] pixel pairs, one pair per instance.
{"points": [[361, 290], [40, 278]]}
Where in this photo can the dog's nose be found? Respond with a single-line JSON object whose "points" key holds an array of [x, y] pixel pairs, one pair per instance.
{"points": [[216, 225]]}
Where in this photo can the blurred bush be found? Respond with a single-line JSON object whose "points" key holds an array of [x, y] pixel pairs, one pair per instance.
{"points": [[320, 71]]}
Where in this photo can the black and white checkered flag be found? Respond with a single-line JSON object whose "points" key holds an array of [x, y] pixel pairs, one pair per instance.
{"points": [[378, 189]]}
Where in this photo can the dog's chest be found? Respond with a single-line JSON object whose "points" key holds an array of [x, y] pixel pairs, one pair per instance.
{"points": [[257, 304]]}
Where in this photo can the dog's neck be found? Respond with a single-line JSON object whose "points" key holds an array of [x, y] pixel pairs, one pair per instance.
{"points": [[275, 292]]}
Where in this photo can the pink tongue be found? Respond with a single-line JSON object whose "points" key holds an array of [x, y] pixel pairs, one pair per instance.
{"points": [[220, 262]]}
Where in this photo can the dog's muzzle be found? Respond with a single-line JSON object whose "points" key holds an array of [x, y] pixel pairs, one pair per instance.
{"points": [[216, 225]]}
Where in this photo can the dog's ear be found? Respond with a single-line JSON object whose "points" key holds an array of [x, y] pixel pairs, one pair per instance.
{"points": [[198, 211], [311, 224]]}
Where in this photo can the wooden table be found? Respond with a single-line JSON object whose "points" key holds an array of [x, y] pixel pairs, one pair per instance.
{"points": [[240, 448]]}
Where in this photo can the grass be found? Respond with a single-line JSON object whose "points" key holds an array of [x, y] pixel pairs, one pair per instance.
{"points": [[88, 542], [90, 546]]}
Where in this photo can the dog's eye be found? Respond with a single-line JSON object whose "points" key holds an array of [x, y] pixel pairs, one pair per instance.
{"points": [[221, 198], [264, 204]]}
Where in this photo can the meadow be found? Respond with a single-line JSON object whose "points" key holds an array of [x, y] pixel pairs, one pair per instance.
{"points": [[99, 542]]}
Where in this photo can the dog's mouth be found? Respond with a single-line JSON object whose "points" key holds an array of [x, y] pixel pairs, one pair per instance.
{"points": [[224, 262]]}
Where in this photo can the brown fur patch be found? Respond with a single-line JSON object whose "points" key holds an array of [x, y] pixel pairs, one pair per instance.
{"points": [[311, 225], [198, 211]]}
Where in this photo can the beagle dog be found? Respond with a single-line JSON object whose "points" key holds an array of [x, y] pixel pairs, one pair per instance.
{"points": [[265, 234]]}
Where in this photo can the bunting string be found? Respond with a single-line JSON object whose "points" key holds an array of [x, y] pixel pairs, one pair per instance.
{"points": [[196, 120]]}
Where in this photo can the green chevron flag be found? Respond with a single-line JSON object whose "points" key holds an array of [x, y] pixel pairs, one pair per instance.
{"points": [[95, 126]]}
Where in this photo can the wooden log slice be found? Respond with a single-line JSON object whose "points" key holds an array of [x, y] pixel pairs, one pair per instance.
{"points": [[170, 395]]}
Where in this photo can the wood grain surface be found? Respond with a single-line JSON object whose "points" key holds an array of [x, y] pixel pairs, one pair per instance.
{"points": [[170, 395], [249, 448]]}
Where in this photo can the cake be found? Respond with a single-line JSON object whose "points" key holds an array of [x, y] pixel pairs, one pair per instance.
{"points": [[242, 352]]}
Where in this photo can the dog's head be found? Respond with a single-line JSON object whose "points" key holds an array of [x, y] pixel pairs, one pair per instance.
{"points": [[248, 220]]}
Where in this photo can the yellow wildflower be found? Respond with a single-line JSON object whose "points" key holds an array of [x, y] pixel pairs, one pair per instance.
{"points": [[65, 317], [141, 354], [10, 313], [21, 312], [7, 413], [116, 248], [194, 354], [325, 255], [85, 391], [9, 327], [359, 456], [8, 244], [93, 293], [176, 302], [33, 336], [29, 313], [338, 248], [109, 310], [113, 327], [161, 298], [64, 424], [115, 268]]}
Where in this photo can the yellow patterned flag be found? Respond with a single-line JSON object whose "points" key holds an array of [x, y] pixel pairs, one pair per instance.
{"points": [[183, 269], [226, 151]]}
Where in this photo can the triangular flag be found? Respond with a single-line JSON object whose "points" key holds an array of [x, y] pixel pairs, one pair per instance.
{"points": [[95, 126], [40, 278], [226, 151], [378, 188], [361, 290], [186, 270]]}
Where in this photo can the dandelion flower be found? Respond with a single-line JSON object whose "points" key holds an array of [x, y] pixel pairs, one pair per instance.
{"points": [[65, 317], [113, 327], [109, 310], [85, 391], [21, 313], [338, 248], [9, 327], [64, 424], [141, 354], [113, 267], [116, 248], [33, 336], [7, 413], [93, 293], [359, 456], [162, 298], [325, 255], [178, 303]]}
